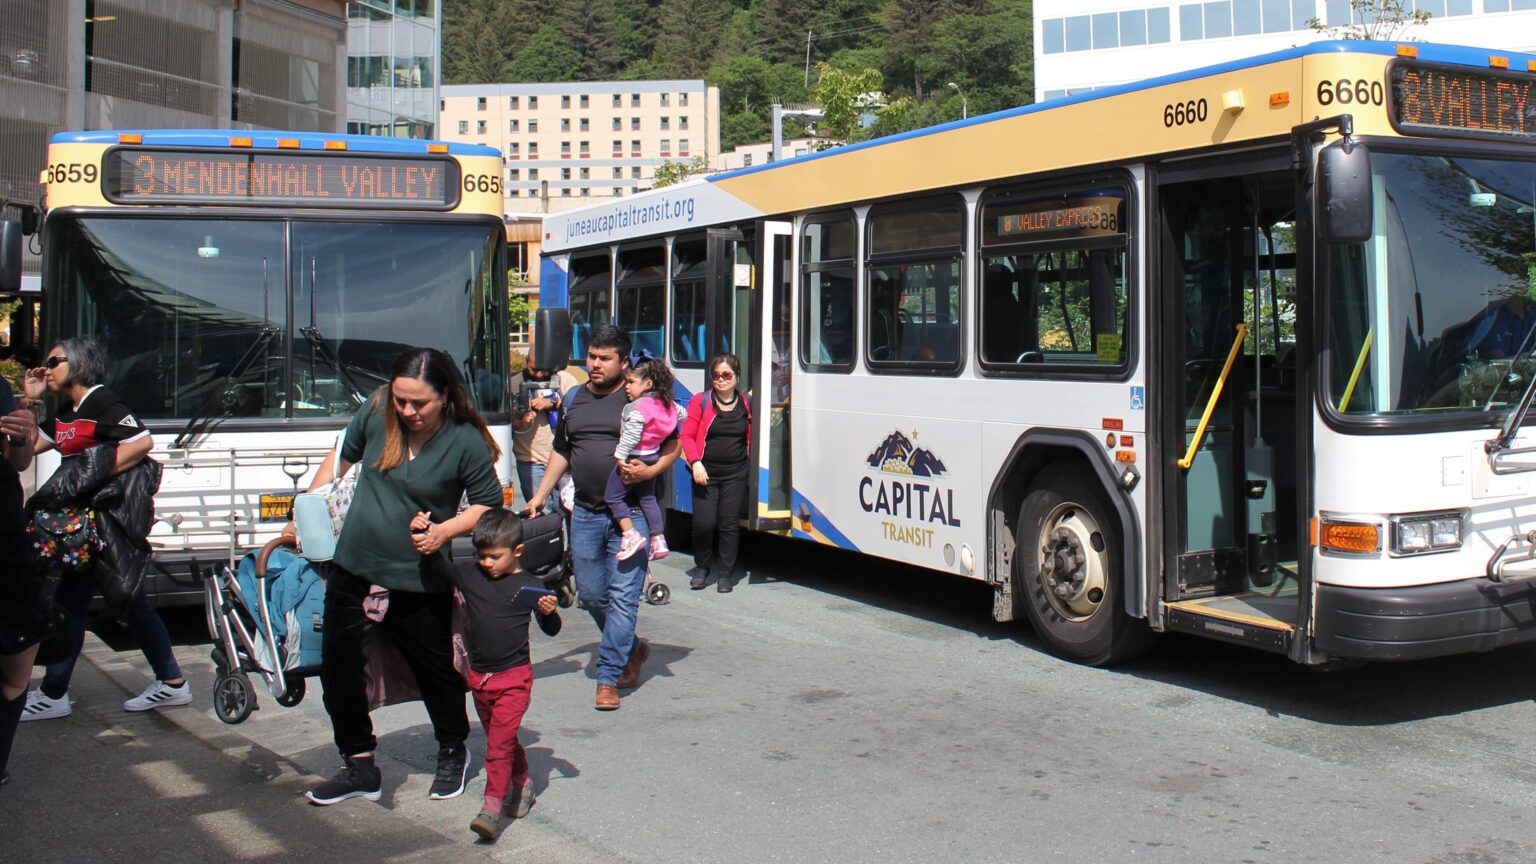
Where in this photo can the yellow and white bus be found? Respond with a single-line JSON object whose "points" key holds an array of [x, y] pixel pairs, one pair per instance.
{"points": [[252, 288], [1242, 352]]}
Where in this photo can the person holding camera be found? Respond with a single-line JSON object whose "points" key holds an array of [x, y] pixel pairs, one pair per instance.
{"points": [[536, 395]]}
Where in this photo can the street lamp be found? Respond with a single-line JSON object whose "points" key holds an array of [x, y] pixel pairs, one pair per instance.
{"points": [[965, 111]]}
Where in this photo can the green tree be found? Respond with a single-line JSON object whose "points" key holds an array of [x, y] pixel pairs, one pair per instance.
{"points": [[988, 56], [548, 56], [1386, 20], [593, 29], [742, 127], [844, 97], [743, 84], [909, 41], [736, 39], [481, 34], [669, 172], [782, 29], [686, 28]]}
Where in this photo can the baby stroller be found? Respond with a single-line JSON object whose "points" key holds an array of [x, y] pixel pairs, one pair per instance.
{"points": [[655, 593], [265, 618]]}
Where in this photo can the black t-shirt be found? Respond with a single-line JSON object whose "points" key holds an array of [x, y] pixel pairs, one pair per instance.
{"points": [[498, 626], [586, 436], [100, 418], [725, 444]]}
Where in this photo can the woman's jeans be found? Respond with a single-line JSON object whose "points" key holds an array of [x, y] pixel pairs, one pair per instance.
{"points": [[717, 510], [75, 593], [421, 627], [608, 588]]}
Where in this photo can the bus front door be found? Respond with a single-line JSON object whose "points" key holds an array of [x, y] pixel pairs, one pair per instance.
{"points": [[1228, 306], [771, 389]]}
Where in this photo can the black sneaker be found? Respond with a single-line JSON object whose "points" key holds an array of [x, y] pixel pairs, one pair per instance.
{"points": [[358, 778], [452, 771]]}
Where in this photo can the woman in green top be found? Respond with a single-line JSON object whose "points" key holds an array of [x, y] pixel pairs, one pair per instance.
{"points": [[422, 448]]}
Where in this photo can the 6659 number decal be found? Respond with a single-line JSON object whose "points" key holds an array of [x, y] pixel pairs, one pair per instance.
{"points": [[1186, 113]]}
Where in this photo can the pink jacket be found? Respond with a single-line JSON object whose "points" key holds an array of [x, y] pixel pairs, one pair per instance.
{"points": [[701, 413]]}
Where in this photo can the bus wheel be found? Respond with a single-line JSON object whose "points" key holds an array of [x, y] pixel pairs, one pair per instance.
{"points": [[1067, 562]]}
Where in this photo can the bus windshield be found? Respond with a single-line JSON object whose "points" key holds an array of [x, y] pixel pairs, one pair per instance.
{"points": [[275, 319], [1436, 313]]}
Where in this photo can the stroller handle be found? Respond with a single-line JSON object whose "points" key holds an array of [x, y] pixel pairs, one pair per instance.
{"points": [[266, 551]]}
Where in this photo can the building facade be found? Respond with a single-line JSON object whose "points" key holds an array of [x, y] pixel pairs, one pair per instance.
{"points": [[1081, 45], [126, 64], [394, 59], [747, 155], [569, 143]]}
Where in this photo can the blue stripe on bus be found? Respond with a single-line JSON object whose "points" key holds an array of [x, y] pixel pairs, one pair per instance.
{"points": [[682, 499], [1455, 54], [819, 521], [264, 139]]}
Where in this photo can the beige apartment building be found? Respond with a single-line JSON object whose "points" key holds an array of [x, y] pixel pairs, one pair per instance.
{"points": [[568, 144]]}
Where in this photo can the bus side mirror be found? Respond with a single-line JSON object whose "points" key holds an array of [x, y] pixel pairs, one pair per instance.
{"points": [[551, 339], [10, 256], [1344, 192]]}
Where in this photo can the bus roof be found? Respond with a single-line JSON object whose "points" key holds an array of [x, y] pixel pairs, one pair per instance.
{"points": [[1459, 55], [267, 139]]}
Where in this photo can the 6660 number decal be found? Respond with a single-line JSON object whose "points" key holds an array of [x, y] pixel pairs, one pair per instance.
{"points": [[1186, 113]]}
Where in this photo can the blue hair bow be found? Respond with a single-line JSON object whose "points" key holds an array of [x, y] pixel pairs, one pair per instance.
{"points": [[640, 355]]}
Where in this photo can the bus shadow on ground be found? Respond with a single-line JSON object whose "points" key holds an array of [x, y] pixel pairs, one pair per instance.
{"points": [[1370, 694]]}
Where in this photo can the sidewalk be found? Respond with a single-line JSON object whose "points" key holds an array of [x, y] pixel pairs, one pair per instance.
{"points": [[176, 786]]}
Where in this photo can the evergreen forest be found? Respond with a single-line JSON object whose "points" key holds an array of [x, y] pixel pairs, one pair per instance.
{"points": [[759, 52]]}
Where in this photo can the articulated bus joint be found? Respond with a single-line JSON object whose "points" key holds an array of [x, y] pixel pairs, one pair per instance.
{"points": [[1518, 549]]}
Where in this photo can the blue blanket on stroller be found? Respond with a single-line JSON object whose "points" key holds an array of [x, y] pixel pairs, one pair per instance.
{"points": [[296, 602]]}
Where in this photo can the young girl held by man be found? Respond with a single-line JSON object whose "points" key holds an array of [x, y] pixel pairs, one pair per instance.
{"points": [[649, 419]]}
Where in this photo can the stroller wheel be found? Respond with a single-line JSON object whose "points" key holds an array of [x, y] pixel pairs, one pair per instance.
{"points": [[293, 695], [658, 594], [233, 698], [566, 593]]}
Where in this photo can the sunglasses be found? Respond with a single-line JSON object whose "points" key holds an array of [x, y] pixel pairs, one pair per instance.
{"points": [[723, 376], [56, 361]]}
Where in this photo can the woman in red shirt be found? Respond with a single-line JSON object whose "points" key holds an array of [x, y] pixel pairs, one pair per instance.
{"points": [[717, 438]]}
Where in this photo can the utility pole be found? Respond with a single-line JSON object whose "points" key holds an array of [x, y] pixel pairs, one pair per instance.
{"points": [[808, 58]]}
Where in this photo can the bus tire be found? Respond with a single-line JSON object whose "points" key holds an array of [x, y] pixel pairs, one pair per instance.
{"points": [[1068, 570]]}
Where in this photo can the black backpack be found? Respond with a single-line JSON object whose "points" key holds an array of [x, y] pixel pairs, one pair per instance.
{"points": [[543, 544]]}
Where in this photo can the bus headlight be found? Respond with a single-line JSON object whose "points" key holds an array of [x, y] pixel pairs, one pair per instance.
{"points": [[1423, 533]]}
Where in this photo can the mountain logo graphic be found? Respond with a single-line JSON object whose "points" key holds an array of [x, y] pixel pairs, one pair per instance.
{"points": [[899, 455]]}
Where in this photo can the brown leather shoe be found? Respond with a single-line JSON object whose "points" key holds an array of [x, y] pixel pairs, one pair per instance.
{"points": [[607, 697], [630, 675]]}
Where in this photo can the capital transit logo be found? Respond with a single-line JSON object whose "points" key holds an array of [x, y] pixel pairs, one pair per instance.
{"points": [[898, 488]]}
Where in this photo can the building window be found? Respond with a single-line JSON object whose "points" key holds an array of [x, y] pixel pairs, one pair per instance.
{"points": [[584, 173], [682, 100], [682, 146], [565, 124], [1053, 34], [1158, 28], [666, 146], [565, 193], [585, 191], [634, 172], [512, 102], [746, 160], [533, 127], [1218, 20], [618, 101], [634, 148], [664, 101], [533, 149], [666, 123], [565, 149], [479, 127], [565, 173], [582, 101], [584, 124], [634, 124], [1191, 26], [565, 101], [682, 122], [533, 173], [618, 148], [533, 102], [515, 174], [463, 127], [1079, 33], [1133, 27], [479, 103], [511, 149], [512, 126], [618, 173], [584, 148], [634, 100], [617, 124]]}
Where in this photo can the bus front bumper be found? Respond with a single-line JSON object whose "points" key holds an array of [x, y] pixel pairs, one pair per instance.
{"points": [[1424, 620]]}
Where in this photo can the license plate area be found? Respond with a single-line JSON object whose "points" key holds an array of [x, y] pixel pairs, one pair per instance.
{"points": [[276, 507]]}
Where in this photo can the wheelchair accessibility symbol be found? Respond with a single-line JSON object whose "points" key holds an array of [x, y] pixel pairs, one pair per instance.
{"points": [[1138, 398]]}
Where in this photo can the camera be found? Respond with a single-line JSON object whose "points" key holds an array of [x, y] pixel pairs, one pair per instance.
{"points": [[531, 390]]}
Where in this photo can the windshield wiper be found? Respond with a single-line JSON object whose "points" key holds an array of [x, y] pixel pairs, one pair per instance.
{"points": [[204, 416], [328, 354]]}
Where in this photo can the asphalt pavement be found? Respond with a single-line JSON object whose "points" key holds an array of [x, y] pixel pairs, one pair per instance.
{"points": [[832, 709]]}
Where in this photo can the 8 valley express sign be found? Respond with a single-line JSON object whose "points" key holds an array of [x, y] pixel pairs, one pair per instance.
{"points": [[902, 487]]}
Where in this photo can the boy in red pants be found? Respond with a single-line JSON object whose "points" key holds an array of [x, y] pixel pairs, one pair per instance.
{"points": [[499, 600]]}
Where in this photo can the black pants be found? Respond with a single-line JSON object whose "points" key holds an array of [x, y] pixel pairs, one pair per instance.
{"points": [[420, 626], [717, 512]]}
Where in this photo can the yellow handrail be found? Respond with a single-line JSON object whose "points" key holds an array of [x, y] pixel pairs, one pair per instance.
{"points": [[1210, 406], [1354, 377]]}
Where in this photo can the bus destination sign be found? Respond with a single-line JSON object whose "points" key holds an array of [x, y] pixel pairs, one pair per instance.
{"points": [[139, 176], [1074, 217], [1432, 99]]}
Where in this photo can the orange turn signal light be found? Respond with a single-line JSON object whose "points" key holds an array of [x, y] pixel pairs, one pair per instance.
{"points": [[1407, 51], [288, 143], [241, 142], [1498, 62], [130, 138], [1355, 537], [1280, 99], [437, 148], [335, 145]]}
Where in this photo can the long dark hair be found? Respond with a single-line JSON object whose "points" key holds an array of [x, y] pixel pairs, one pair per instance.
{"points": [[656, 371], [434, 368]]}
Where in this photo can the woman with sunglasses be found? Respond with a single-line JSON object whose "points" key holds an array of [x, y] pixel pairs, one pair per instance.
{"points": [[88, 415], [717, 437]]}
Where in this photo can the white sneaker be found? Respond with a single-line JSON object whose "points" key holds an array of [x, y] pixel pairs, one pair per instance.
{"points": [[160, 695], [40, 707]]}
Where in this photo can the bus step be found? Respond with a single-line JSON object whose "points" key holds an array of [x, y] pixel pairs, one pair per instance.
{"points": [[1201, 618]]}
